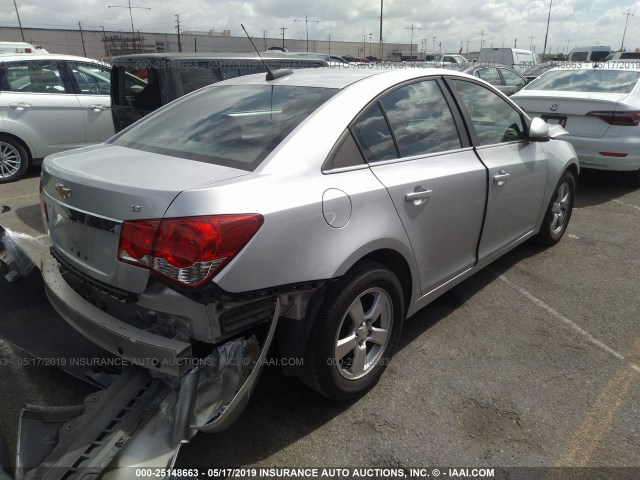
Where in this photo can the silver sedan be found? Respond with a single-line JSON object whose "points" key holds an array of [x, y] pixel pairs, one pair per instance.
{"points": [[334, 203]]}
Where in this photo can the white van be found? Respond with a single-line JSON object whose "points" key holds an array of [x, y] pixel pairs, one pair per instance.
{"points": [[516, 58], [21, 48], [596, 53]]}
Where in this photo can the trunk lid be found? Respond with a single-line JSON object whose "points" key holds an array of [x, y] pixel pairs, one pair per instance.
{"points": [[572, 109], [91, 191]]}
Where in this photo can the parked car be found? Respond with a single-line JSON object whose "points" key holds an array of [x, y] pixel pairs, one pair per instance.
{"points": [[505, 79], [50, 103], [19, 48], [297, 202], [167, 76], [516, 58], [596, 53], [452, 60], [600, 108]]}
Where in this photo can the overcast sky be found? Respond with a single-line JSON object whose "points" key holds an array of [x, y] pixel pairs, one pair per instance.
{"points": [[498, 22]]}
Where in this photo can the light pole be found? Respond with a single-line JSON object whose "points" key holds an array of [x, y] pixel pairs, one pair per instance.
{"points": [[329, 43], [546, 35], [133, 32], [370, 35], [531, 42], [627, 13], [306, 21], [20, 22], [380, 47]]}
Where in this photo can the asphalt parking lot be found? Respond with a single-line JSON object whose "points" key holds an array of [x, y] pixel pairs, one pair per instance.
{"points": [[534, 361]]}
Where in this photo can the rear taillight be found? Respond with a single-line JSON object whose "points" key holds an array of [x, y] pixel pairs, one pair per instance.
{"points": [[188, 251], [27, 50], [622, 119]]}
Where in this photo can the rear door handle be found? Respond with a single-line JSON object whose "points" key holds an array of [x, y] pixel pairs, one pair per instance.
{"points": [[19, 105], [501, 178]]}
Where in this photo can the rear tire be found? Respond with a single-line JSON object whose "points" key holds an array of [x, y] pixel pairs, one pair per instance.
{"points": [[634, 178], [559, 210], [353, 337], [14, 159]]}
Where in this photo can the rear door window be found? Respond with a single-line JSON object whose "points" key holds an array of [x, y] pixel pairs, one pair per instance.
{"points": [[420, 119], [92, 79]]}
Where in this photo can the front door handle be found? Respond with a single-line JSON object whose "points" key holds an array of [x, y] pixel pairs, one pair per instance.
{"points": [[19, 105], [501, 178], [98, 107], [419, 196]]}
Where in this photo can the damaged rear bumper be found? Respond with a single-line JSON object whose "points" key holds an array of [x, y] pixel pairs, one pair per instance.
{"points": [[158, 353], [186, 395]]}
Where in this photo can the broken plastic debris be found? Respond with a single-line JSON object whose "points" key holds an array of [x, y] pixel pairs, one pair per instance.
{"points": [[13, 252]]}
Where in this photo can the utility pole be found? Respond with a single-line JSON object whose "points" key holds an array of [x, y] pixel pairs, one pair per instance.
{"points": [[133, 31], [628, 14], [412, 28], [531, 42], [515, 43], [178, 28], [283, 29], [306, 21], [482, 34], [264, 39], [329, 43], [370, 35], [84, 50], [104, 40], [546, 35]]}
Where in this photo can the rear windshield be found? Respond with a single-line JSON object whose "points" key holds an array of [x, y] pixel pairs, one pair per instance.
{"points": [[231, 125], [588, 80]]}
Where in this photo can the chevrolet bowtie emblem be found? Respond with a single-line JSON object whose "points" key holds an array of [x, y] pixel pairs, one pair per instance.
{"points": [[62, 191]]}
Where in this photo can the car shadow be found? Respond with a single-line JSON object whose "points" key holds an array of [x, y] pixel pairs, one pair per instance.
{"points": [[596, 187], [31, 216]]}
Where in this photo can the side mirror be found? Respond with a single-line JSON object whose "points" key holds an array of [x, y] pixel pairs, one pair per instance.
{"points": [[539, 130]]}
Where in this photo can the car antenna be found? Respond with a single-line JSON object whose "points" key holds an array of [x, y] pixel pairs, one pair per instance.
{"points": [[271, 75]]}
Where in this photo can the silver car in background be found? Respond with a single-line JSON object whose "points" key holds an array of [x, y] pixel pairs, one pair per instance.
{"points": [[334, 202]]}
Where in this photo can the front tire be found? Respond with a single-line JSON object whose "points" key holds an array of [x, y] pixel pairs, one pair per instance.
{"points": [[353, 337], [14, 159], [559, 210]]}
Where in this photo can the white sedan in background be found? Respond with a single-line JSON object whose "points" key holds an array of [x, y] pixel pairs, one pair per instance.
{"points": [[599, 105]]}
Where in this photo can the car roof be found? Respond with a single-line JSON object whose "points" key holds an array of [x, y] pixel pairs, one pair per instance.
{"points": [[341, 77], [46, 56]]}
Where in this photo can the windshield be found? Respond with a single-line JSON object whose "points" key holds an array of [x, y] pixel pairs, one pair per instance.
{"points": [[587, 80], [231, 125]]}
